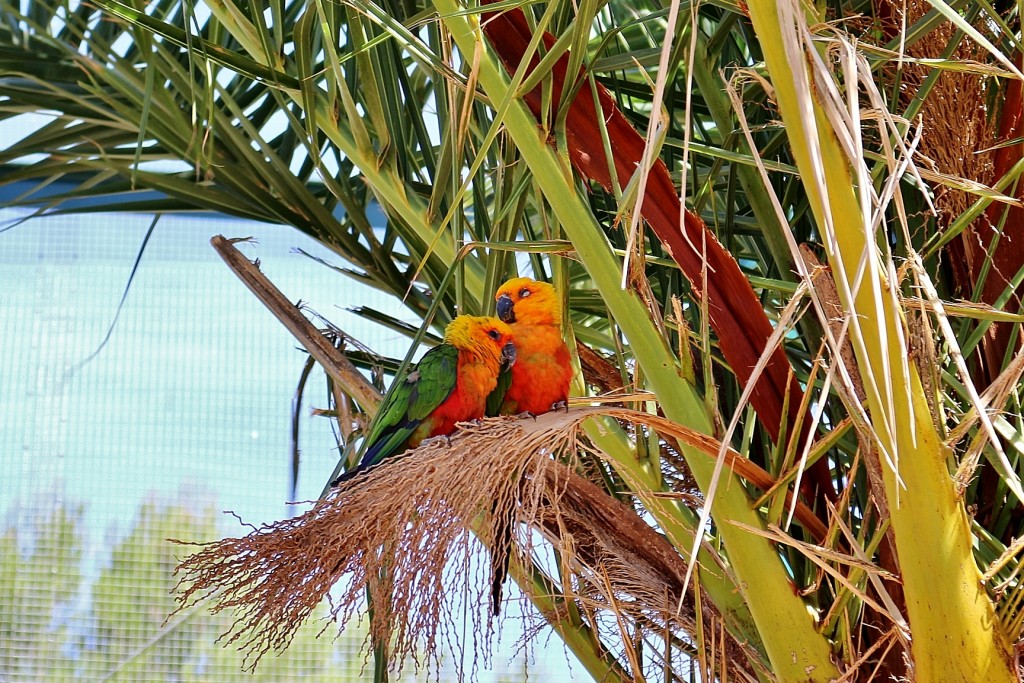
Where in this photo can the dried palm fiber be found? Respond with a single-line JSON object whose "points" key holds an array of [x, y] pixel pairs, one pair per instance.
{"points": [[966, 119], [954, 115], [420, 508]]}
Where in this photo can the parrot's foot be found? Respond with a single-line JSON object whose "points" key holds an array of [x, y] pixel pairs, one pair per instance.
{"points": [[447, 440], [560, 405], [525, 414], [345, 476]]}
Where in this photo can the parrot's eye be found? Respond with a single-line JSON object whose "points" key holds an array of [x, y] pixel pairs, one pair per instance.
{"points": [[493, 334], [524, 292]]}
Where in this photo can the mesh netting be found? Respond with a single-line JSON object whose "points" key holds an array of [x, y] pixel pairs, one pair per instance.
{"points": [[185, 413]]}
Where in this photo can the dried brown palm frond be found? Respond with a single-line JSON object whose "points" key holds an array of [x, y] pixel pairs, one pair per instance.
{"points": [[411, 519], [967, 117], [956, 124]]}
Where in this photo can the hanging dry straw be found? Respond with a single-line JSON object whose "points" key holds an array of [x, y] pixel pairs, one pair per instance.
{"points": [[403, 532]]}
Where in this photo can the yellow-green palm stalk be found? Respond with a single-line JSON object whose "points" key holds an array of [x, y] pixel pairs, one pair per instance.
{"points": [[796, 651], [954, 633]]}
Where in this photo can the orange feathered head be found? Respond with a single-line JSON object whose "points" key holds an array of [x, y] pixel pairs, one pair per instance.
{"points": [[488, 338], [522, 300]]}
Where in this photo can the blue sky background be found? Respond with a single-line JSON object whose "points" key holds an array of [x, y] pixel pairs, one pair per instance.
{"points": [[193, 391]]}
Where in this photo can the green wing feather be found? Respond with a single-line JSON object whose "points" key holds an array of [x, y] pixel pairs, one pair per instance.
{"points": [[501, 532], [497, 396], [410, 402]]}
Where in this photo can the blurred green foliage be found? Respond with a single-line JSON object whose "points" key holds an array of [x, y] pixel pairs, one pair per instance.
{"points": [[58, 623]]}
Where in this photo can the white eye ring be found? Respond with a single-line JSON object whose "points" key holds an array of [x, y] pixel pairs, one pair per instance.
{"points": [[523, 293]]}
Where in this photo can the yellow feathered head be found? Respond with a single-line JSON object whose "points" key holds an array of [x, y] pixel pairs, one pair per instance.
{"points": [[488, 338], [522, 300]]}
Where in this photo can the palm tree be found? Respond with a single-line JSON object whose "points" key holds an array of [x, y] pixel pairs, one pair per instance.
{"points": [[820, 474]]}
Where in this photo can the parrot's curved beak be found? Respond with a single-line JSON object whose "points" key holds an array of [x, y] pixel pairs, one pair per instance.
{"points": [[506, 309], [508, 354]]}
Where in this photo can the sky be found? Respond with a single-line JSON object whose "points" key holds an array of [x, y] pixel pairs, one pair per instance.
{"points": [[197, 378], [193, 391]]}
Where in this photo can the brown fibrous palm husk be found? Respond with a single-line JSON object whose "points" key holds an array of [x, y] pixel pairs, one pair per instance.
{"points": [[412, 519]]}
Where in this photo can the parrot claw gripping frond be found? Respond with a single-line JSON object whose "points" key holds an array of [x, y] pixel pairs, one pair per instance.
{"points": [[560, 405], [440, 438], [525, 414]]}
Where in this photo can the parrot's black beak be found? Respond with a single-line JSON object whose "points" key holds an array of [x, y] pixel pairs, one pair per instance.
{"points": [[508, 354], [506, 309]]}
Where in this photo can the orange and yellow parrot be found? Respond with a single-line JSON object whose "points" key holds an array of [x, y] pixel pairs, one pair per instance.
{"points": [[537, 383], [450, 384], [543, 370]]}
